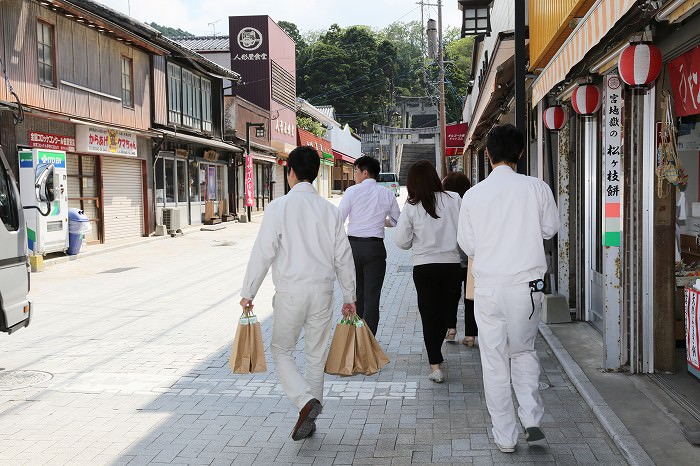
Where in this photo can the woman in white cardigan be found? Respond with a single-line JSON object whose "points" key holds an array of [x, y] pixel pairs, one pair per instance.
{"points": [[428, 226]]}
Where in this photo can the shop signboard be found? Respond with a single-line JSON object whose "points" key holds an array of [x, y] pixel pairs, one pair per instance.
{"points": [[685, 81], [612, 147], [455, 135], [249, 182], [93, 139], [41, 140], [692, 327]]}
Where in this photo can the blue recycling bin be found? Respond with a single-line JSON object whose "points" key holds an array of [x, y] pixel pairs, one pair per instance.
{"points": [[78, 225]]}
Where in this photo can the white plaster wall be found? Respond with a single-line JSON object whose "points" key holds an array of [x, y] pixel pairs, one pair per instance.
{"points": [[502, 19]]}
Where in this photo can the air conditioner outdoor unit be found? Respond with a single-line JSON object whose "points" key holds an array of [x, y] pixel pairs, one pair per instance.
{"points": [[171, 220]]}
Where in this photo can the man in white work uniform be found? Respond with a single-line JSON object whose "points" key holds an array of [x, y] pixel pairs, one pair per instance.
{"points": [[502, 224], [370, 207], [303, 238]]}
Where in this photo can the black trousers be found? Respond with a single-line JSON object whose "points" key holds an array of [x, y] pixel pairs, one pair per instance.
{"points": [[370, 267], [470, 328], [437, 301]]}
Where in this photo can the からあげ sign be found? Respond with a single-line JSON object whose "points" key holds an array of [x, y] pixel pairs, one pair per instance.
{"points": [[105, 141]]}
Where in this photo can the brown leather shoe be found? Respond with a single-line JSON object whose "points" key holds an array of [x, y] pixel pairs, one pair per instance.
{"points": [[305, 425]]}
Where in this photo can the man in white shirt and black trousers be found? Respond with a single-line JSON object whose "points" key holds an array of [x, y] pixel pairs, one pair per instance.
{"points": [[502, 224], [370, 207], [303, 238]]}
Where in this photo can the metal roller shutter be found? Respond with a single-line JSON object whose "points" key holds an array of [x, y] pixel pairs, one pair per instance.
{"points": [[123, 198]]}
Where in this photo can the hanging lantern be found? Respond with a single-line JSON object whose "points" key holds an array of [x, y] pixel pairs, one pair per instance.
{"points": [[586, 99], [639, 64], [554, 117]]}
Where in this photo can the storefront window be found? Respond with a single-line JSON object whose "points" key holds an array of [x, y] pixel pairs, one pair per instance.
{"points": [[159, 181], [203, 182], [211, 183], [193, 182], [169, 180], [181, 181], [220, 183]]}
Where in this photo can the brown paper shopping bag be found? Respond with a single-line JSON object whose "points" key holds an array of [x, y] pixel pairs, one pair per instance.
{"points": [[369, 357], [248, 354], [469, 285], [341, 354]]}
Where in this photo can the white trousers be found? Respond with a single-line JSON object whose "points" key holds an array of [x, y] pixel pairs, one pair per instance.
{"points": [[507, 348], [292, 312]]}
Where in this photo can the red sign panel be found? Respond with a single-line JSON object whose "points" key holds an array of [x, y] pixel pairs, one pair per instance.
{"points": [[455, 135], [306, 138], [249, 182], [51, 141], [685, 80]]}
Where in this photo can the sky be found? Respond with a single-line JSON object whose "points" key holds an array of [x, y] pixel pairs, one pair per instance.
{"points": [[205, 17]]}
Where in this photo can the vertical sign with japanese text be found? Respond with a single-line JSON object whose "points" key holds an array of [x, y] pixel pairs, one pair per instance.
{"points": [[249, 182], [612, 154], [692, 324]]}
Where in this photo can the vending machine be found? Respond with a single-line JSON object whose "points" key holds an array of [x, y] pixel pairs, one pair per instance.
{"points": [[47, 223]]}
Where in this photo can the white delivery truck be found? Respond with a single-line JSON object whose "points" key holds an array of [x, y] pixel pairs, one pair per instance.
{"points": [[15, 307]]}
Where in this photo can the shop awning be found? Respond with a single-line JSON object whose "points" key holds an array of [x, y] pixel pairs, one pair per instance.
{"points": [[327, 159], [494, 95], [214, 143], [263, 157], [588, 33], [340, 156]]}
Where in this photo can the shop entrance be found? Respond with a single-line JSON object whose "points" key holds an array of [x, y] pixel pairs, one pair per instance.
{"points": [[84, 191]]}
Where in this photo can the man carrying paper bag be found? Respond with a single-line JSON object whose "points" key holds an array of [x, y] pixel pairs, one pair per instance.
{"points": [[303, 238]]}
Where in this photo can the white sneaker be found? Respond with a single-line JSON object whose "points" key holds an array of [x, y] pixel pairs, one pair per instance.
{"points": [[505, 449], [437, 376]]}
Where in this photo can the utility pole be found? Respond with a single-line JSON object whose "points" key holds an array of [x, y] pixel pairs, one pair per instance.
{"points": [[442, 171], [520, 97], [436, 52]]}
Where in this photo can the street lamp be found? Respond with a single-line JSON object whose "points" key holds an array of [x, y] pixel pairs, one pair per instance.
{"points": [[259, 133], [475, 17]]}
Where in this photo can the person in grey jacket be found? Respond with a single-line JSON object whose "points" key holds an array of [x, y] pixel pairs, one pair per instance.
{"points": [[428, 226]]}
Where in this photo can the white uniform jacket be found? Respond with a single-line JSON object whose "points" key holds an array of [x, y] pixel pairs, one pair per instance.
{"points": [[433, 240], [302, 237], [502, 223]]}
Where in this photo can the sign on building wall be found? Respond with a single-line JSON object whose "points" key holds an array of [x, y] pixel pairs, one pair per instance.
{"points": [[105, 141], [249, 182], [685, 81], [612, 147], [51, 141]]}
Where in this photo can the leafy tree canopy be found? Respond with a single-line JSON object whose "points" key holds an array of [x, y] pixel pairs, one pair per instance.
{"points": [[311, 125], [360, 71], [167, 31]]}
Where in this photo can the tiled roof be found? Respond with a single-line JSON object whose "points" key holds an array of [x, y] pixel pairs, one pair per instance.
{"points": [[204, 43], [327, 110]]}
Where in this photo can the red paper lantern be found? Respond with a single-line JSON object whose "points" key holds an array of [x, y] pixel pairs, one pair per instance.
{"points": [[639, 64], [586, 99], [554, 117]]}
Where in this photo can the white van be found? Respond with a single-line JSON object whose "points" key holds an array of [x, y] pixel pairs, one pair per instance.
{"points": [[15, 307], [390, 181]]}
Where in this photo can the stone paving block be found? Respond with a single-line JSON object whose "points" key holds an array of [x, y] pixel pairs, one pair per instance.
{"points": [[163, 391]]}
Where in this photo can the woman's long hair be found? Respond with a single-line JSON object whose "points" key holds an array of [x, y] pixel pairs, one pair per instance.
{"points": [[422, 184]]}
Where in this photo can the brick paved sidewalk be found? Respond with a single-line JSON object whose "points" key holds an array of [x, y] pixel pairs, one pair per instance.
{"points": [[396, 417], [201, 415]]}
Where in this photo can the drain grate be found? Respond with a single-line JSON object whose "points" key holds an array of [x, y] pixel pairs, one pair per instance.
{"points": [[12, 380], [119, 270], [404, 269]]}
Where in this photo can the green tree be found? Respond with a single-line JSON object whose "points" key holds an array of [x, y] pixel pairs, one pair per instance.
{"points": [[293, 31], [311, 125], [458, 55], [170, 32]]}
